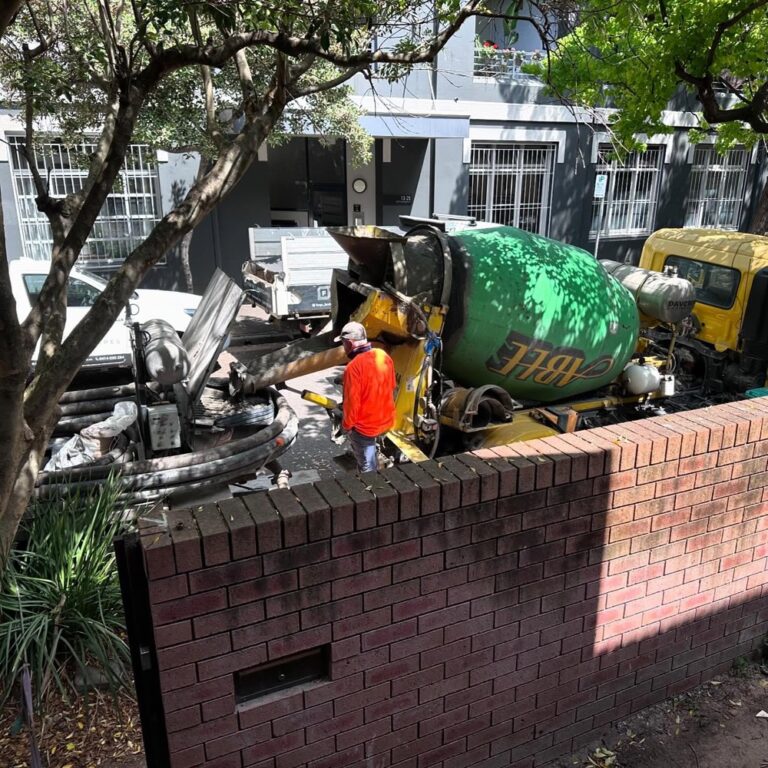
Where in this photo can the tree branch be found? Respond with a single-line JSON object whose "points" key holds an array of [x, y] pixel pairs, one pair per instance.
{"points": [[174, 58], [8, 11], [222, 177], [328, 84], [724, 26]]}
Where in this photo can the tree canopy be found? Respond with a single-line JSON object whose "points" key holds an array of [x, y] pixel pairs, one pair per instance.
{"points": [[638, 56], [216, 77]]}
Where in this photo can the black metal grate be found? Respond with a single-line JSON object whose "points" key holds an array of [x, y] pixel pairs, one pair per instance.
{"points": [[278, 675]]}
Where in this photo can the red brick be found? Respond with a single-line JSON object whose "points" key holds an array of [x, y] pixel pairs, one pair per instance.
{"points": [[332, 611], [489, 477], [389, 634], [405, 550], [273, 747], [232, 662], [340, 686], [187, 607], [196, 650], [224, 575], [299, 641], [360, 662], [187, 758], [173, 634], [197, 693], [420, 567], [242, 529], [214, 534], [442, 617], [396, 593], [365, 501], [202, 735], [258, 589], [363, 733], [157, 548], [264, 630], [333, 569], [266, 519], [318, 511], [364, 582], [171, 588], [187, 548], [430, 489], [180, 677], [342, 518]]}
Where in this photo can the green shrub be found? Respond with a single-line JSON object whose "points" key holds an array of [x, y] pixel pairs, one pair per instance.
{"points": [[60, 604]]}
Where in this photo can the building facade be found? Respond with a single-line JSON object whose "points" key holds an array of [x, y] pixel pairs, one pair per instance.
{"points": [[472, 135]]}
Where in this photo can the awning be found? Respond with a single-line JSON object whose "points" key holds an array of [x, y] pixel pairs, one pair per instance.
{"points": [[415, 127]]}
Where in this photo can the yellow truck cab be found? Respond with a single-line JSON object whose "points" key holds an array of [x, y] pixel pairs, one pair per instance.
{"points": [[730, 273]]}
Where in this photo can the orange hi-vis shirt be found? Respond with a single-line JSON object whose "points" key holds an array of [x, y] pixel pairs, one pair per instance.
{"points": [[369, 385]]}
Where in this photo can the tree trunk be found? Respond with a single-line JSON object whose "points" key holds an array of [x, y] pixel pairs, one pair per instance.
{"points": [[203, 167], [14, 360], [759, 223], [186, 270], [13, 439]]}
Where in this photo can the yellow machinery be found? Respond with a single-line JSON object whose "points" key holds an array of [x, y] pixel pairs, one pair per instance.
{"points": [[724, 341], [499, 336]]}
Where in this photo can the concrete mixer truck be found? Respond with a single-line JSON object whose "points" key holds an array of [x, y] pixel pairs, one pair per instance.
{"points": [[499, 335]]}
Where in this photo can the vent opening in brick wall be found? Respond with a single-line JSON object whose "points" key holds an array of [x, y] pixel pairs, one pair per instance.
{"points": [[288, 672]]}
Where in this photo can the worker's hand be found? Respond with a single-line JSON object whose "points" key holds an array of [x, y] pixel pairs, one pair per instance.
{"points": [[336, 414]]}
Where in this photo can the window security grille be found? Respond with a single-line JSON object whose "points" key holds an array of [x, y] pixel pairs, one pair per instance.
{"points": [[127, 217], [629, 206], [716, 193], [512, 184]]}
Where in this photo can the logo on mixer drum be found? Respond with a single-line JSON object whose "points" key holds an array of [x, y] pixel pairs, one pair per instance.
{"points": [[526, 359]]}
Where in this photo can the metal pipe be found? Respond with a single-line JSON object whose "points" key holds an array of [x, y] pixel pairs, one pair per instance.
{"points": [[292, 360]]}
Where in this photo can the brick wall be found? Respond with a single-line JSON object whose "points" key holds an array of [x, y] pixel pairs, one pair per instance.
{"points": [[492, 609]]}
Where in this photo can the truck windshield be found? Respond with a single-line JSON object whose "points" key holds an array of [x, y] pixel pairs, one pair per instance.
{"points": [[715, 285]]}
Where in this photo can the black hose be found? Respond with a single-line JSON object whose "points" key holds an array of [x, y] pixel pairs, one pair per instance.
{"points": [[285, 420], [98, 393], [83, 407]]}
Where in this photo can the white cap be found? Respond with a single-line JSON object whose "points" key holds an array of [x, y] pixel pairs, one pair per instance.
{"points": [[352, 332]]}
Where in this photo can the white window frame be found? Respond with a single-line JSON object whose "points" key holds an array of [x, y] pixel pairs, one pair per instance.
{"points": [[511, 156], [726, 176], [607, 210], [134, 201]]}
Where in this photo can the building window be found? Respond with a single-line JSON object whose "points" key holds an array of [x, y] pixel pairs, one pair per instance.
{"points": [[510, 38], [716, 193], [629, 206], [129, 213], [512, 184]]}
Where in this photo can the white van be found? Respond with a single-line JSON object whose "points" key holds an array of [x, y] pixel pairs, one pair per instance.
{"points": [[114, 350]]}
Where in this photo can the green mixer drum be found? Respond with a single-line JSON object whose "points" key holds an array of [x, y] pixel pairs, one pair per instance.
{"points": [[537, 317]]}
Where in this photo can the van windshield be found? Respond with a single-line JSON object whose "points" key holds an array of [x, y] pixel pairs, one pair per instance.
{"points": [[100, 281]]}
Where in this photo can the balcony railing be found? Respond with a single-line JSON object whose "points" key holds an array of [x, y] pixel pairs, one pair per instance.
{"points": [[504, 63]]}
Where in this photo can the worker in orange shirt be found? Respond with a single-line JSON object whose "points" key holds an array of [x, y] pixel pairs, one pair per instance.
{"points": [[369, 387]]}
